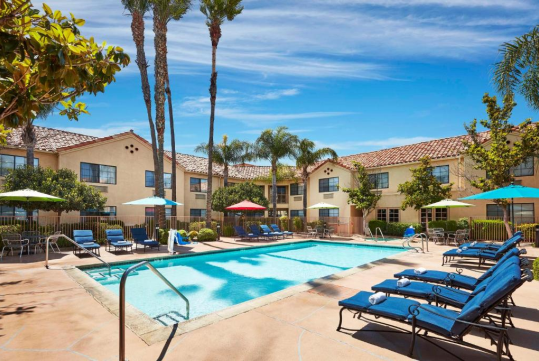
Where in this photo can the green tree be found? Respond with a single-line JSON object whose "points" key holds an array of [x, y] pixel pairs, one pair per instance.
{"points": [[224, 153], [138, 9], [308, 156], [215, 11], [62, 183], [518, 71], [227, 196], [273, 145], [45, 60], [163, 12], [361, 195], [497, 157], [424, 188]]}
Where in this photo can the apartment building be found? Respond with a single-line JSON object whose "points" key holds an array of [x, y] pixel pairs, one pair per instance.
{"points": [[121, 167]]}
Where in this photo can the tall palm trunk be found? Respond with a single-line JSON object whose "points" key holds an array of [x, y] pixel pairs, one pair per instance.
{"points": [[29, 140], [160, 43], [304, 178], [215, 35], [174, 211], [225, 174], [274, 190], [137, 29]]}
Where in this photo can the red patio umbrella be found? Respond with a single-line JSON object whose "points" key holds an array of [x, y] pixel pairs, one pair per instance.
{"points": [[246, 206]]}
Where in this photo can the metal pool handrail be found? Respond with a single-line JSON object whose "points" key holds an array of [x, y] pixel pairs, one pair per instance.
{"points": [[381, 234], [56, 236], [423, 236], [122, 299]]}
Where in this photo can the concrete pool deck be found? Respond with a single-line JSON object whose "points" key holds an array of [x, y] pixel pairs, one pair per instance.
{"points": [[46, 315]]}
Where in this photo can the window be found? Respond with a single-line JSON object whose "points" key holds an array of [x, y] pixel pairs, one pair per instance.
{"points": [[441, 173], [379, 180], [393, 215], [149, 212], [230, 184], [524, 169], [280, 212], [281, 194], [109, 211], [150, 179], [426, 216], [524, 212], [97, 173], [296, 189], [296, 213], [198, 185], [197, 213], [10, 162], [19, 213], [328, 213], [381, 214], [328, 184], [440, 214]]}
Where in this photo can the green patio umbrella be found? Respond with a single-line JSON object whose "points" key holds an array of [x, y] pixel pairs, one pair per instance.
{"points": [[510, 192], [447, 203]]}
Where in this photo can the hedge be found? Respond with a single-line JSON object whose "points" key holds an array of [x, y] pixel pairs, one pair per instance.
{"points": [[228, 231], [206, 234], [536, 269], [376, 223], [398, 228]]}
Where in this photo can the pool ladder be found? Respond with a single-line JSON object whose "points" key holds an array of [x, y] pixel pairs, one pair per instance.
{"points": [[406, 243], [122, 301]]}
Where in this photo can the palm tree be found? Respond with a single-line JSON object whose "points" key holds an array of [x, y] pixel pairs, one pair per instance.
{"points": [[163, 12], [224, 154], [216, 11], [519, 68], [273, 145], [306, 157]]}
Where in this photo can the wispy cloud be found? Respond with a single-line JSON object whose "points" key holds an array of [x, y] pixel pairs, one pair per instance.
{"points": [[276, 94]]}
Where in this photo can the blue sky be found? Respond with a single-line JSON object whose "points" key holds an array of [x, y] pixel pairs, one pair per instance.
{"points": [[355, 75]]}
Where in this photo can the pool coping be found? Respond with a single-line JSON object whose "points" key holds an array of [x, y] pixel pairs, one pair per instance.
{"points": [[152, 331]]}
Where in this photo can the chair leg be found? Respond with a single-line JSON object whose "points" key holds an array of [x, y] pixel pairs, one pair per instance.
{"points": [[340, 319], [412, 344]]}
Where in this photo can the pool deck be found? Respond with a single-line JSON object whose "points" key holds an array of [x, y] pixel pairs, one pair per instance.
{"points": [[46, 315]]}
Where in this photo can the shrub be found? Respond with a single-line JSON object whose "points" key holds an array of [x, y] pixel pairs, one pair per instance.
{"points": [[398, 228], [463, 223], [376, 223], [450, 226], [298, 224], [193, 235], [12, 228], [183, 233], [197, 226], [206, 234], [163, 236], [249, 223], [317, 223], [528, 230], [536, 269], [283, 220], [228, 231]]}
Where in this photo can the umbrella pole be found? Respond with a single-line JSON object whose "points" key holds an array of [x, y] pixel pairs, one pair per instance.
{"points": [[513, 214]]}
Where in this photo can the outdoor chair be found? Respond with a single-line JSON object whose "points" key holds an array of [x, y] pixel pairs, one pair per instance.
{"points": [[328, 232], [459, 237], [266, 230], [12, 242], [181, 240], [457, 279], [409, 232], [277, 229], [436, 235], [141, 238], [482, 254], [490, 245], [115, 238], [85, 240], [256, 231], [35, 239], [448, 325], [311, 231], [53, 242], [320, 231], [241, 234]]}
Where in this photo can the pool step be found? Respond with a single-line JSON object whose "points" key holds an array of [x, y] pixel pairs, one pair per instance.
{"points": [[170, 318], [102, 275]]}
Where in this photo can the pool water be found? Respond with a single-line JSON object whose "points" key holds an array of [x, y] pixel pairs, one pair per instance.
{"points": [[219, 280]]}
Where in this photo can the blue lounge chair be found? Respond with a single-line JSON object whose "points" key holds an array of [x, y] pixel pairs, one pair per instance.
{"points": [[181, 240], [482, 254], [115, 238], [241, 234], [267, 231], [85, 239], [457, 279], [277, 229], [451, 325], [256, 231], [141, 238], [492, 245]]}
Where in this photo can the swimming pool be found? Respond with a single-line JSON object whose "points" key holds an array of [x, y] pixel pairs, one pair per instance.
{"points": [[222, 279]]}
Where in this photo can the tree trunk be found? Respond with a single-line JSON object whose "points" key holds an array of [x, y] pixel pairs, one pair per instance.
{"points": [[364, 216], [506, 221], [225, 175], [174, 211], [160, 73], [215, 35], [29, 140], [274, 190], [137, 29], [304, 179]]}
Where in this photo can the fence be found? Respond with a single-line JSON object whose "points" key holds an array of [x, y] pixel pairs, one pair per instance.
{"points": [[493, 229]]}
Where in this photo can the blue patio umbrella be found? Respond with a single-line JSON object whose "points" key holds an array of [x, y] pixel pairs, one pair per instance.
{"points": [[510, 192], [154, 201]]}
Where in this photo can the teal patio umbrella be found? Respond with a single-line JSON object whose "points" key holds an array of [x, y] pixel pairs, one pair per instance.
{"points": [[510, 192], [154, 201]]}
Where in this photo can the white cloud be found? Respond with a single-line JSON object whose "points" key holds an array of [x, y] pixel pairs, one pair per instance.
{"points": [[276, 94], [109, 129]]}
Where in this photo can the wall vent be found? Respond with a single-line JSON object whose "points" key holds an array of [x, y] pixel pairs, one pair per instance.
{"points": [[328, 196], [297, 199], [200, 196]]}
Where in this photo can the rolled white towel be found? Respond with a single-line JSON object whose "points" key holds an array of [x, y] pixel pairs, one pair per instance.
{"points": [[377, 298], [420, 271], [459, 250], [403, 282], [464, 248], [473, 243]]}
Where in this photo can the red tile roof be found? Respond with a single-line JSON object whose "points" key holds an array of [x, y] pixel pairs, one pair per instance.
{"points": [[48, 139]]}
